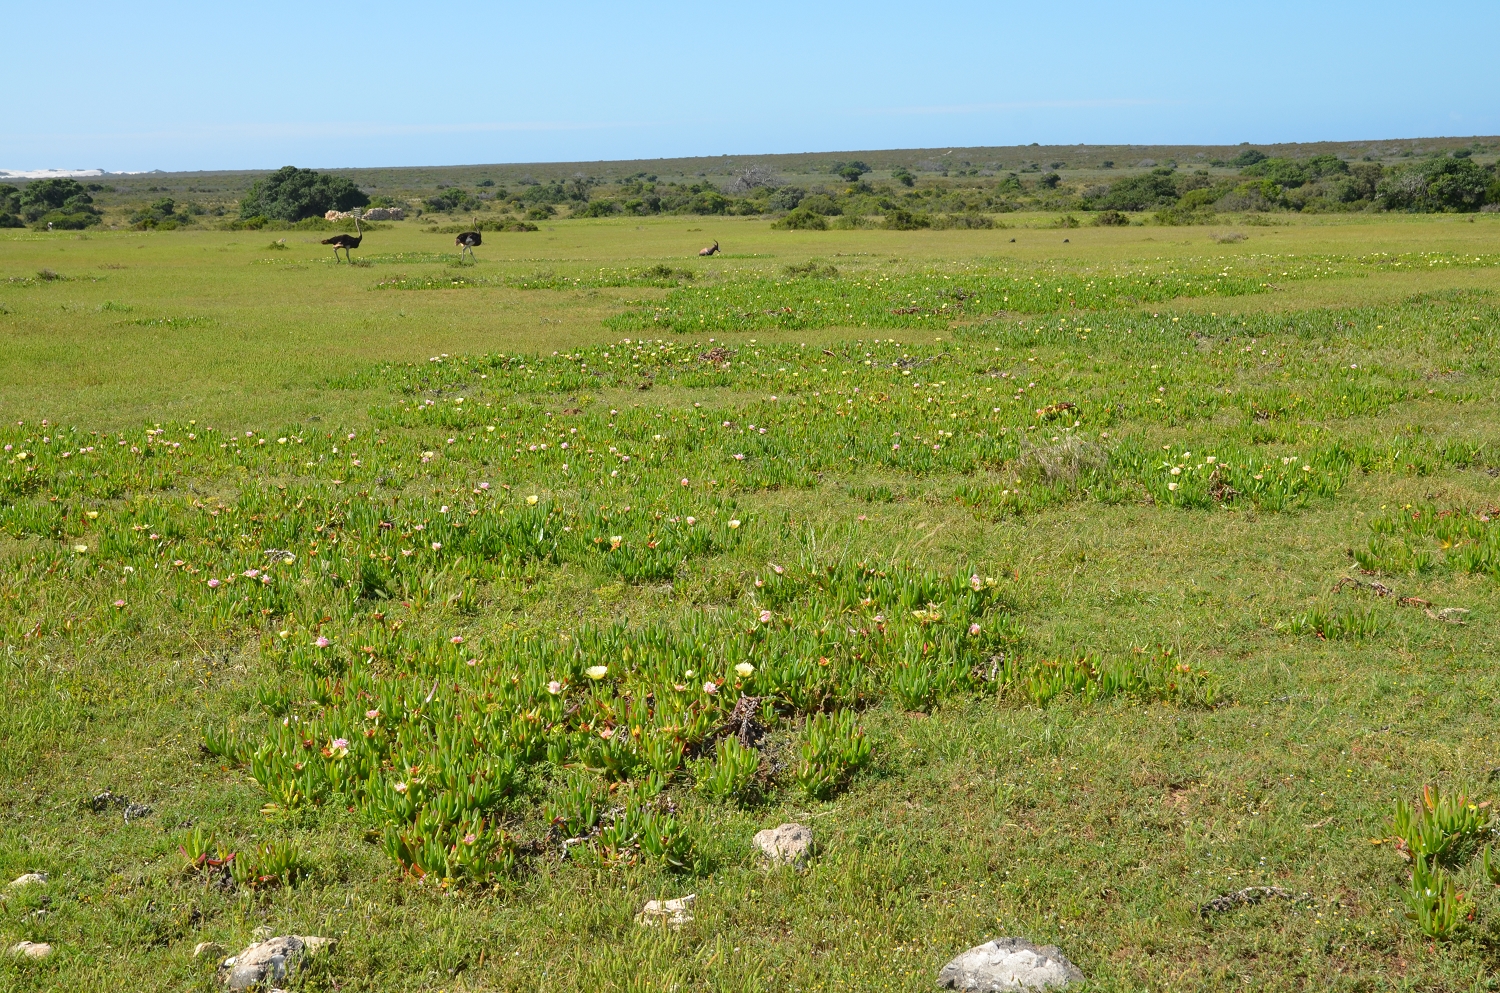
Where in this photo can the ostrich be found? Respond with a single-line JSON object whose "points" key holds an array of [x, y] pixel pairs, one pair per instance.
{"points": [[345, 241], [468, 241], [710, 250]]}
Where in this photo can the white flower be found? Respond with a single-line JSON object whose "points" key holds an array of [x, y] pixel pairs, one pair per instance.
{"points": [[734, 524], [596, 672], [80, 549], [745, 670], [1171, 486], [554, 687], [1177, 470], [531, 500], [710, 687]]}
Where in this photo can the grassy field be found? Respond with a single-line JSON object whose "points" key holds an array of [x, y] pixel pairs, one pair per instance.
{"points": [[391, 578]]}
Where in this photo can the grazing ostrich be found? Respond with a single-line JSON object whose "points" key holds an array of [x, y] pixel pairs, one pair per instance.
{"points": [[346, 241], [710, 250], [468, 241]]}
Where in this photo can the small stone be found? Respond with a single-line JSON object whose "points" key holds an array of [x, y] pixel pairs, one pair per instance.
{"points": [[269, 962], [31, 949], [673, 912], [1009, 964], [208, 950], [786, 844], [29, 879]]}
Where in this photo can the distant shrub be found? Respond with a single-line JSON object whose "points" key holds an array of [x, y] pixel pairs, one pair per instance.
{"points": [[161, 215], [786, 198], [1112, 218], [1283, 172], [905, 220], [850, 171], [971, 220], [902, 176], [1248, 157], [1049, 180], [1436, 185], [598, 208], [802, 219], [1154, 189], [292, 194], [539, 212], [821, 203]]}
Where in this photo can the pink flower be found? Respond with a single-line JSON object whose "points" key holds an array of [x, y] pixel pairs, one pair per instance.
{"points": [[400, 787], [457, 639], [322, 642], [554, 687], [777, 569], [436, 545], [684, 482], [974, 628], [738, 457], [341, 743], [765, 617], [473, 662], [710, 688], [213, 584], [371, 715], [484, 486], [250, 573], [119, 603], [470, 838]]}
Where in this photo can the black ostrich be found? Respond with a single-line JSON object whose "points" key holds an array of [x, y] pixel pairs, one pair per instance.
{"points": [[468, 241], [346, 241]]}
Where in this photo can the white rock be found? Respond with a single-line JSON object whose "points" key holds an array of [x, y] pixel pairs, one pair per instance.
{"points": [[29, 879], [1009, 964], [269, 962], [31, 949], [673, 912], [786, 844]]}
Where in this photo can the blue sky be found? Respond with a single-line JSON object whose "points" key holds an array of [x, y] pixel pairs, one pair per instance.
{"points": [[229, 85]]}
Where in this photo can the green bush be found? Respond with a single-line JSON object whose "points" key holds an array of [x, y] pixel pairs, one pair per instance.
{"points": [[904, 220], [802, 219], [598, 208], [1248, 157], [292, 194], [901, 175], [1112, 218], [1436, 185], [1154, 189]]}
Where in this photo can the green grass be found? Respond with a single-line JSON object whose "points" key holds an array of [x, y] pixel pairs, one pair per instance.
{"points": [[433, 607]]}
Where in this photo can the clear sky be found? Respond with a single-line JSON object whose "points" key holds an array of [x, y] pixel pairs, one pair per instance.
{"points": [[232, 85]]}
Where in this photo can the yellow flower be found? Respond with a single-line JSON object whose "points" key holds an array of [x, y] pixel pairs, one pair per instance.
{"points": [[531, 500], [80, 549], [596, 672], [734, 524], [745, 669]]}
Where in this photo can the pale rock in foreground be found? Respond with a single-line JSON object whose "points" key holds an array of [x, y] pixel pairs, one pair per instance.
{"points": [[786, 844], [673, 912], [1009, 964], [31, 949], [28, 879], [269, 962]]}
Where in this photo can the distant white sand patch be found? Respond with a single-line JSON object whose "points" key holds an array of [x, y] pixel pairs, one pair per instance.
{"points": [[60, 173]]}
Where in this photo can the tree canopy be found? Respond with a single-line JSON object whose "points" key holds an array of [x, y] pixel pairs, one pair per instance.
{"points": [[292, 194]]}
